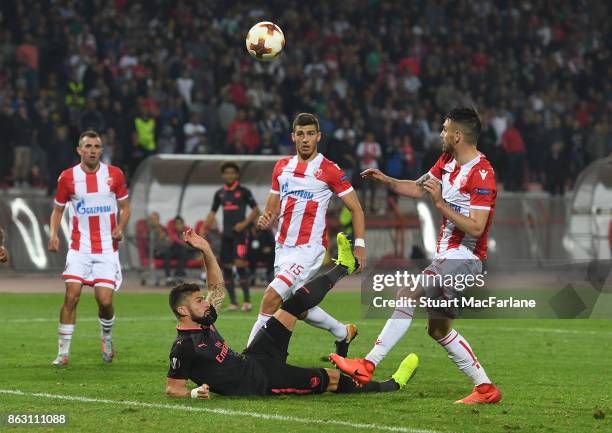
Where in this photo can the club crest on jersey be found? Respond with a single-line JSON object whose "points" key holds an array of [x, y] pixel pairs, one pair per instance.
{"points": [[483, 173], [314, 382], [462, 181], [318, 172], [109, 181], [237, 194]]}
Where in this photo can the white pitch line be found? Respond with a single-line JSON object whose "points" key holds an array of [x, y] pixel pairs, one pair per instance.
{"points": [[218, 411]]}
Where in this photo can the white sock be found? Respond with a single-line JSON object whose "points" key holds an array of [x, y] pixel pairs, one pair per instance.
{"points": [[64, 332], [395, 328], [107, 327], [462, 355], [261, 319], [319, 318]]}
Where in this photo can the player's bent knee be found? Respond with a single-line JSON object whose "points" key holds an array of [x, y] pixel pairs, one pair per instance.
{"points": [[105, 303], [434, 333], [437, 332], [303, 315]]}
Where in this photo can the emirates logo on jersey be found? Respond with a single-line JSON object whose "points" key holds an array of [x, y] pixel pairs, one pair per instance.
{"points": [[318, 172]]}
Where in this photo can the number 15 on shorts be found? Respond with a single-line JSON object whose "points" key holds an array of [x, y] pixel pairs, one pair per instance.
{"points": [[296, 269]]}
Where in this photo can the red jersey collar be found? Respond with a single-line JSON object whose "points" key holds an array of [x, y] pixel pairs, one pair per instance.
{"points": [[232, 187]]}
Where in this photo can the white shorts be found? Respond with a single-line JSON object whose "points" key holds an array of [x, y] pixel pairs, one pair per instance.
{"points": [[294, 265], [102, 270], [456, 262]]}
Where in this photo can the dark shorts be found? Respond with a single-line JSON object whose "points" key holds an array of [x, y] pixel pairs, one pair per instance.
{"points": [[269, 349], [234, 246]]}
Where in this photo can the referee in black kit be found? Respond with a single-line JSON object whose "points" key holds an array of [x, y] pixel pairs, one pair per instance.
{"points": [[235, 237]]}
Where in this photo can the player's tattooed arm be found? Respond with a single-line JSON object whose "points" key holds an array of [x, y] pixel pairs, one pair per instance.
{"points": [[214, 275], [216, 295]]}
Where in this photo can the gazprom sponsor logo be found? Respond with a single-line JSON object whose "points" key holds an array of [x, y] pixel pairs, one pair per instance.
{"points": [[296, 192], [81, 209]]}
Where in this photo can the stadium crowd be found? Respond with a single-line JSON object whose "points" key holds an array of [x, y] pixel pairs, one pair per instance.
{"points": [[174, 77]]}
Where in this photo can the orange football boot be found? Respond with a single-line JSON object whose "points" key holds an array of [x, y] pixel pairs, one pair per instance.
{"points": [[360, 369], [483, 393]]}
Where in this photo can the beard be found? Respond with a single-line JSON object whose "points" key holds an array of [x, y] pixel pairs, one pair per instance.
{"points": [[447, 147], [207, 319], [306, 154]]}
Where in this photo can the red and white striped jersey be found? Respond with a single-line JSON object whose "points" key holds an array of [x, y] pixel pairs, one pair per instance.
{"points": [[93, 211], [305, 190], [470, 186]]}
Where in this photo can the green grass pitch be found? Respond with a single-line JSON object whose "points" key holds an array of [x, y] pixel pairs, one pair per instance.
{"points": [[554, 375]]}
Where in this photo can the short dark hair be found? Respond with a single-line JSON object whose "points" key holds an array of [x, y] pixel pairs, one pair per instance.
{"points": [[230, 164], [179, 293], [468, 121], [90, 133], [304, 119]]}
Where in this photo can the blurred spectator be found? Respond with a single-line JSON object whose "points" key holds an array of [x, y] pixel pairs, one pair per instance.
{"points": [[144, 137], [557, 173], [369, 152], [195, 135], [91, 117], [514, 146], [61, 154], [599, 142], [343, 147], [242, 135], [6, 143], [23, 138], [175, 249]]}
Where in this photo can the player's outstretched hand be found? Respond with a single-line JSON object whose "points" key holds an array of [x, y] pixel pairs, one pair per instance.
{"points": [[375, 174], [195, 240], [265, 220], [53, 244], [117, 234], [203, 392], [3, 255]]}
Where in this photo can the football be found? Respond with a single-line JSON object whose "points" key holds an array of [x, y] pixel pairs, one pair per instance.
{"points": [[265, 41]]}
